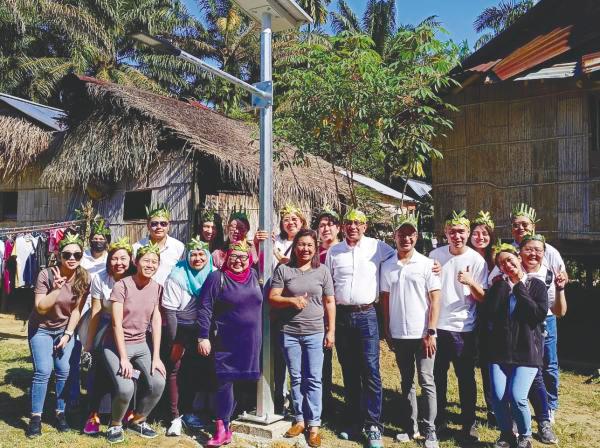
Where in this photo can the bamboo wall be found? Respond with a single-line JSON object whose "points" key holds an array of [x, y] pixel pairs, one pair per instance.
{"points": [[521, 142]]}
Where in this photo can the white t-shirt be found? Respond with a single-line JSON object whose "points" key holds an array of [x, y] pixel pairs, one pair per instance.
{"points": [[281, 246], [542, 274], [91, 264], [102, 285], [170, 254], [355, 270], [458, 308], [409, 286]]}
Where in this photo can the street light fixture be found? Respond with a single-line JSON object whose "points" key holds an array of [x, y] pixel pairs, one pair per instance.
{"points": [[274, 15]]}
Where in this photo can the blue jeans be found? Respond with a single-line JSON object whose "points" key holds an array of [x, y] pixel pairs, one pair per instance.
{"points": [[45, 360], [544, 390], [357, 345], [510, 386], [304, 359]]}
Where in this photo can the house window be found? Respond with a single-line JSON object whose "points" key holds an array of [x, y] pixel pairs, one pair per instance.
{"points": [[8, 205], [135, 204]]}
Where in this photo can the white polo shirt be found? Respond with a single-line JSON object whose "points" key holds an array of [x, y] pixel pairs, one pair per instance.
{"points": [[458, 307], [170, 254], [409, 286], [355, 270]]}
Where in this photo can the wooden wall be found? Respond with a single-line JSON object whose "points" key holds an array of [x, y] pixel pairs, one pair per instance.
{"points": [[521, 142]]}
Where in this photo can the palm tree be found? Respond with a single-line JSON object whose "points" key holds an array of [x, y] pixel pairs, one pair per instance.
{"points": [[378, 21], [496, 19], [43, 40], [317, 9]]}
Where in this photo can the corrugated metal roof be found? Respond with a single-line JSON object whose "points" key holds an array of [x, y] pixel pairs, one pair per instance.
{"points": [[49, 116], [556, 71], [420, 188], [483, 68], [377, 186], [542, 48]]}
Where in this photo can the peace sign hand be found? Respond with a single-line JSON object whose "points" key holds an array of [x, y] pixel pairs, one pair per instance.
{"points": [[59, 281]]}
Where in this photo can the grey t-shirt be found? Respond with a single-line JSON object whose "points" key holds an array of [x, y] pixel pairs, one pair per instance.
{"points": [[316, 283]]}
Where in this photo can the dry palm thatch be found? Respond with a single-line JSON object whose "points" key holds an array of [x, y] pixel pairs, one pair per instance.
{"points": [[21, 144], [122, 129]]}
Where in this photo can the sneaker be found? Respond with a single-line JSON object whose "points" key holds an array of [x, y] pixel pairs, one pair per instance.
{"points": [[61, 422], [92, 425], [344, 435], [405, 437], [114, 434], [546, 434], [471, 433], [34, 429], [192, 421], [373, 436], [431, 440], [143, 429], [524, 442], [506, 441], [175, 428]]}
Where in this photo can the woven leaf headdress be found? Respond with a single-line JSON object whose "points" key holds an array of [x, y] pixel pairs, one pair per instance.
{"points": [[484, 218], [238, 214], [150, 248], [241, 246], [121, 243], [458, 219], [70, 238], [158, 211], [411, 219], [355, 215], [525, 211], [197, 244]]}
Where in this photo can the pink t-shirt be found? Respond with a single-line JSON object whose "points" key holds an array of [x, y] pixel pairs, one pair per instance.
{"points": [[138, 305], [58, 315]]}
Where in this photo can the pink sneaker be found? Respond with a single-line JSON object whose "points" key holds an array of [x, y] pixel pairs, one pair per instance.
{"points": [[222, 435], [92, 425]]}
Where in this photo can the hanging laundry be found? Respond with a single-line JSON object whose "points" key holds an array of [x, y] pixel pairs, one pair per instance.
{"points": [[23, 249]]}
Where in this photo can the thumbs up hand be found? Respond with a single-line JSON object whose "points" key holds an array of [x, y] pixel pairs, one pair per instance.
{"points": [[465, 277]]}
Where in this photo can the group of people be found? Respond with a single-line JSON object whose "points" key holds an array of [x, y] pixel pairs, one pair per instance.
{"points": [[187, 318]]}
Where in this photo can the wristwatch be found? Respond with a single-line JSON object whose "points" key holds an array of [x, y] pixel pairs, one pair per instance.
{"points": [[431, 332]]}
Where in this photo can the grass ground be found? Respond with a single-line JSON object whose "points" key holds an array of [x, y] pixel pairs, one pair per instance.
{"points": [[578, 420]]}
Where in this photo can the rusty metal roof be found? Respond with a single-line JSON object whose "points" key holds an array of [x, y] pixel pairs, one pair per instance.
{"points": [[590, 62], [483, 68]]}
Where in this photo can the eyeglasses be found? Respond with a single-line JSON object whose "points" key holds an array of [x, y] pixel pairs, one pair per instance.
{"points": [[68, 255], [241, 258], [530, 250], [154, 224]]}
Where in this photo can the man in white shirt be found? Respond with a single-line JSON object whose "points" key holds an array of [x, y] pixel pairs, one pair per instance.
{"points": [[94, 258], [410, 298], [171, 249], [354, 265], [464, 277]]}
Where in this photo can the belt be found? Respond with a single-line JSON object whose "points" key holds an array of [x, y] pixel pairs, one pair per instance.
{"points": [[355, 308]]}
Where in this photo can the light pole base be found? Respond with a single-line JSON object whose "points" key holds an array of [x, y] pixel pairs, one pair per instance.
{"points": [[271, 429]]}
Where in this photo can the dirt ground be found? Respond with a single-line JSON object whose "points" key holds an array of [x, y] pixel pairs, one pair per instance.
{"points": [[578, 419]]}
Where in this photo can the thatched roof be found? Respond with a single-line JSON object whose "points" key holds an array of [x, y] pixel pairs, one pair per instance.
{"points": [[116, 131]]}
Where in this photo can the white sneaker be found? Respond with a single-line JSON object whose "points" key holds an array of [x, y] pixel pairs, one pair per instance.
{"points": [[404, 437], [175, 428]]}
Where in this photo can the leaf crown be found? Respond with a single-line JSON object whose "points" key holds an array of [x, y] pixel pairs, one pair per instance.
{"points": [[99, 228], [329, 211], [458, 219], [242, 246], [503, 247], [208, 215], [158, 211], [197, 244], [355, 215], [524, 210], [150, 248], [533, 237], [290, 209], [238, 214], [121, 243], [70, 238], [484, 218], [411, 219]]}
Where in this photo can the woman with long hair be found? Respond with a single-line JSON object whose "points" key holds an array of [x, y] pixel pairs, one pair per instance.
{"points": [[229, 319], [119, 265], [60, 293], [514, 308], [238, 227], [302, 290], [180, 303], [135, 306], [291, 221], [210, 229]]}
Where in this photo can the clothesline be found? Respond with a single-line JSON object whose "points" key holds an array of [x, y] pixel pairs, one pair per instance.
{"points": [[40, 227]]}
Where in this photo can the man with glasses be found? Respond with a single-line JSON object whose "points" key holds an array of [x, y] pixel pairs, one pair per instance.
{"points": [[171, 249], [354, 265], [410, 298], [544, 390]]}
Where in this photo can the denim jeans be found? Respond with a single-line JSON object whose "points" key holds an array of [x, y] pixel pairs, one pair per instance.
{"points": [[357, 345], [45, 360], [409, 352], [304, 359], [544, 390], [457, 348], [510, 385]]}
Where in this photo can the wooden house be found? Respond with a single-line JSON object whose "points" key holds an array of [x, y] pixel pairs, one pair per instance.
{"points": [[127, 148], [528, 128]]}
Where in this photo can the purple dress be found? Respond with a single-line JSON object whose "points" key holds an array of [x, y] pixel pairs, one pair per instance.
{"points": [[230, 315]]}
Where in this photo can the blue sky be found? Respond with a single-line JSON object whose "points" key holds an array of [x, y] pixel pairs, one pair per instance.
{"points": [[457, 16]]}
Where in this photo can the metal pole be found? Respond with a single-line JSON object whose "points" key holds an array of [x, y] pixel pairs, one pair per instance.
{"points": [[264, 401]]}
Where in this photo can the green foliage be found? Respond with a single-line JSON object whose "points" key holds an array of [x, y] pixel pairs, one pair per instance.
{"points": [[495, 19], [343, 102]]}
